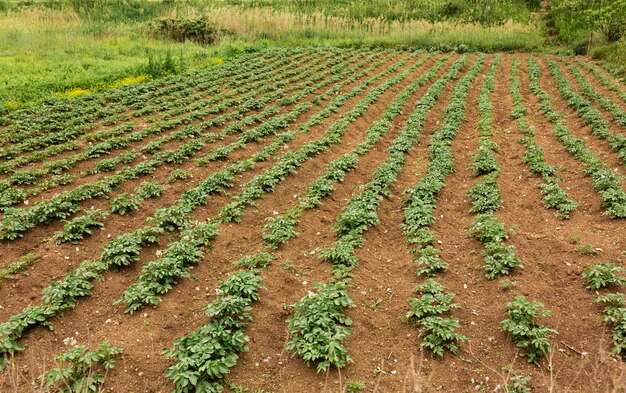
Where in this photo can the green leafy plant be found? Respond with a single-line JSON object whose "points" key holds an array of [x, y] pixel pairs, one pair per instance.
{"points": [[486, 228], [355, 386], [24, 261], [601, 275], [149, 190], [76, 229], [525, 331], [507, 284], [587, 249], [123, 203], [518, 383], [256, 261], [205, 356], [614, 313], [78, 369], [178, 174], [499, 259], [438, 333], [318, 326], [485, 195]]}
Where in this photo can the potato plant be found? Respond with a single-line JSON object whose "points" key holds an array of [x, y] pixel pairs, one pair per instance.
{"points": [[76, 229], [527, 333]]}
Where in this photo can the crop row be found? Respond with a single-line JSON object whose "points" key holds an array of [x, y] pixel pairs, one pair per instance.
{"points": [[148, 284], [615, 110], [498, 257], [604, 81], [553, 196], [604, 181], [124, 249], [12, 195], [16, 221], [599, 126], [58, 115]]}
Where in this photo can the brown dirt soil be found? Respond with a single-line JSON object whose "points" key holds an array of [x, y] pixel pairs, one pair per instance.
{"points": [[385, 349]]}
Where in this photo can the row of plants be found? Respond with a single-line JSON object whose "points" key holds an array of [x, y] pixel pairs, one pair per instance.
{"points": [[599, 126], [498, 257], [16, 221], [604, 80], [205, 356], [606, 276], [319, 324], [604, 181], [124, 249], [201, 109], [85, 110], [553, 196], [615, 110], [120, 142], [147, 286], [430, 311], [281, 228]]}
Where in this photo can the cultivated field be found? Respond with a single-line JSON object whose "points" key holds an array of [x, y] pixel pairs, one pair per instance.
{"points": [[317, 219]]}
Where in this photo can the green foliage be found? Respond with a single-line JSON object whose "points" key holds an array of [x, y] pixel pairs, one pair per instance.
{"points": [[13, 268], [279, 230], [518, 384], [205, 356], [604, 181], [256, 261], [318, 326], [579, 16], [438, 333], [507, 284], [355, 386], [429, 262], [485, 161], [614, 313], [76, 229], [78, 369], [161, 65], [587, 249], [555, 197], [123, 203], [603, 274], [487, 228], [182, 29], [525, 331], [124, 250], [178, 174], [499, 259], [485, 195], [159, 276], [149, 190]]}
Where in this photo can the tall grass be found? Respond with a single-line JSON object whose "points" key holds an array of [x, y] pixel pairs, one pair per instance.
{"points": [[289, 28], [487, 12]]}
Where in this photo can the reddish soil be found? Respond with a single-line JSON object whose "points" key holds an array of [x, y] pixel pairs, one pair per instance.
{"points": [[385, 349]]}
